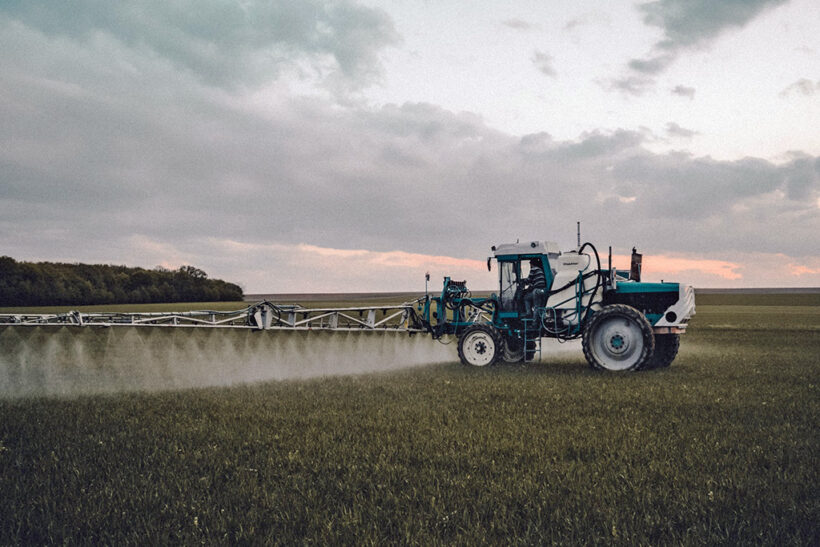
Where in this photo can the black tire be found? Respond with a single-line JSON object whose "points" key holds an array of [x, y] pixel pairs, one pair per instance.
{"points": [[666, 349], [480, 346], [618, 338], [513, 350]]}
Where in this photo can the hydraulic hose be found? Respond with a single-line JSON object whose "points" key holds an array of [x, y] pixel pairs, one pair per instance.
{"points": [[580, 281], [598, 281]]}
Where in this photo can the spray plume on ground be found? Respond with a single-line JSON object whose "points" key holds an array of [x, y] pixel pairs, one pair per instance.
{"points": [[69, 361]]}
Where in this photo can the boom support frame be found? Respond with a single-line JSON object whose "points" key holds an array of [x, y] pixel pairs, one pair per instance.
{"points": [[259, 316]]}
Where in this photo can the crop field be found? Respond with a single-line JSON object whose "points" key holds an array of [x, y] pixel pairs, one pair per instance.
{"points": [[722, 447]]}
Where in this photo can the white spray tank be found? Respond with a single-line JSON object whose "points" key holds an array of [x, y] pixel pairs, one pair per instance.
{"points": [[569, 270]]}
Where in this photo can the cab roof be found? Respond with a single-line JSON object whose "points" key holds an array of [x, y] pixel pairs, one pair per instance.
{"points": [[527, 248]]}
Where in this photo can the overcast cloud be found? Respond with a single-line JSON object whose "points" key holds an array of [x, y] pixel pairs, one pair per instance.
{"points": [[544, 63], [684, 91], [172, 133], [675, 130], [802, 87], [222, 43], [686, 24]]}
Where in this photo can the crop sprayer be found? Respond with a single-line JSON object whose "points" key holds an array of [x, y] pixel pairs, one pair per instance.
{"points": [[625, 324]]}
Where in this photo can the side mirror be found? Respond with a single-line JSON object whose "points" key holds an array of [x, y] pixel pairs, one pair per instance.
{"points": [[489, 263]]}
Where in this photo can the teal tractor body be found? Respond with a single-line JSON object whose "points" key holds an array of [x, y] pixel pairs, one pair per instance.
{"points": [[624, 323]]}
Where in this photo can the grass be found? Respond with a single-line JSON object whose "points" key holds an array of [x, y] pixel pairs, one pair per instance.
{"points": [[720, 448]]}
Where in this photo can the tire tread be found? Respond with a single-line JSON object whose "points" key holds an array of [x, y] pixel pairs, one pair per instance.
{"points": [[666, 349], [632, 313]]}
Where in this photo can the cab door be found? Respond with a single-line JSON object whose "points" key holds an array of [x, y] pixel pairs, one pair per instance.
{"points": [[510, 274]]}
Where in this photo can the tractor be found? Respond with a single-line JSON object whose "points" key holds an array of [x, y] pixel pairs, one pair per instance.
{"points": [[625, 324]]}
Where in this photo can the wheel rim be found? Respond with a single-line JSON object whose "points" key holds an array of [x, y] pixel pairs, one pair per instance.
{"points": [[479, 349], [618, 343]]}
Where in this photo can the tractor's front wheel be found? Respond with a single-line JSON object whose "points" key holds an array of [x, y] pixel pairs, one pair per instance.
{"points": [[479, 346], [618, 338]]}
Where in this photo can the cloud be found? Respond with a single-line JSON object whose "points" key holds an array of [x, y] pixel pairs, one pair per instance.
{"points": [[173, 162], [629, 85], [683, 91], [683, 187], [591, 18], [600, 144], [803, 86], [801, 182], [800, 270], [224, 44], [650, 66], [310, 268], [114, 150], [518, 24], [675, 130], [692, 23], [659, 266], [686, 23], [544, 63]]}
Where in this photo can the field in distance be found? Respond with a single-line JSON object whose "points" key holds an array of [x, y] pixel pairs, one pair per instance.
{"points": [[719, 448]]}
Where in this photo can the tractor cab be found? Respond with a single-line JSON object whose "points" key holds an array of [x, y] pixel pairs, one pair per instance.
{"points": [[515, 266]]}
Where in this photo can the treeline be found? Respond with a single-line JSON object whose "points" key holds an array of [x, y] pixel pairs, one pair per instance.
{"points": [[57, 284]]}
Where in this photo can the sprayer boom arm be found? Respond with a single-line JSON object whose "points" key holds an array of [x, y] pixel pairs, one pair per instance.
{"points": [[262, 315]]}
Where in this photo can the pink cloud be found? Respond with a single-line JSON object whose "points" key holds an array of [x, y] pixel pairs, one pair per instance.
{"points": [[159, 253], [280, 267], [389, 259], [661, 264], [799, 269]]}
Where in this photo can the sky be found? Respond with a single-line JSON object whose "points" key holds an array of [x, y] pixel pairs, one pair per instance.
{"points": [[353, 146]]}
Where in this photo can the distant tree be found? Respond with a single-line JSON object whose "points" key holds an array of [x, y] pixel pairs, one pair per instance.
{"points": [[196, 273], [50, 283]]}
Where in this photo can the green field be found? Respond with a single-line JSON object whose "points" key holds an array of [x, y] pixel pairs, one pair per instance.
{"points": [[720, 448]]}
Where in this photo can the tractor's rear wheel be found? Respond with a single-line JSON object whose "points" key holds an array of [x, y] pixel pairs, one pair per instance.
{"points": [[513, 350], [618, 338], [666, 349], [480, 346]]}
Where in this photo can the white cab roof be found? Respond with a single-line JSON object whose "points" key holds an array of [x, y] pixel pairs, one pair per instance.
{"points": [[527, 247]]}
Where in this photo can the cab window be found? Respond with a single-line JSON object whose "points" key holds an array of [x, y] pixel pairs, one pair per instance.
{"points": [[509, 284]]}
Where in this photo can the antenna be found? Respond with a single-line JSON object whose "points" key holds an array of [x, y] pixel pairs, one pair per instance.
{"points": [[579, 234]]}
